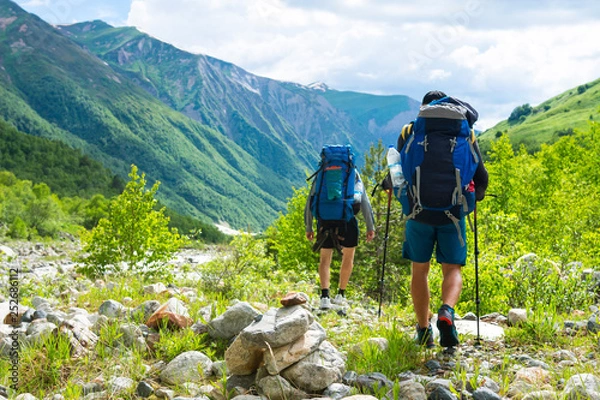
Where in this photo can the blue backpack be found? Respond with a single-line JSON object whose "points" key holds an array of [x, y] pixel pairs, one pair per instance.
{"points": [[333, 197], [439, 160]]}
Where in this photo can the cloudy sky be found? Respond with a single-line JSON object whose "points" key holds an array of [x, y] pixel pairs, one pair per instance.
{"points": [[495, 54]]}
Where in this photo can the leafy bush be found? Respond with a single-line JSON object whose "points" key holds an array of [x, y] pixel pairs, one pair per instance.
{"points": [[238, 272], [519, 113], [133, 233], [287, 237]]}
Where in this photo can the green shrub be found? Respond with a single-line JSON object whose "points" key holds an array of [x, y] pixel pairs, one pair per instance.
{"points": [[133, 233], [18, 229]]}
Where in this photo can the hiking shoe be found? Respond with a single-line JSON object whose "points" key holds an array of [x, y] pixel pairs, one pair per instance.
{"points": [[339, 300], [424, 337], [325, 303], [445, 324]]}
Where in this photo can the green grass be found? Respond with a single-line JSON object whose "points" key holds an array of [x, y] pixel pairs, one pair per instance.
{"points": [[571, 110]]}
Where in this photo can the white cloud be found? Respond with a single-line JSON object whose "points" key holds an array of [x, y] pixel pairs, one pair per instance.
{"points": [[481, 51], [484, 51]]}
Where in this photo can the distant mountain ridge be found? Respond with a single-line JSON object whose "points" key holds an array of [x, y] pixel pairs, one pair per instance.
{"points": [[226, 144], [211, 90]]}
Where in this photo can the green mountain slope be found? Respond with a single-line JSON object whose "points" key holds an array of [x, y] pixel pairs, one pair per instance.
{"points": [[290, 121], [555, 117], [383, 116], [208, 90], [67, 171], [52, 87]]}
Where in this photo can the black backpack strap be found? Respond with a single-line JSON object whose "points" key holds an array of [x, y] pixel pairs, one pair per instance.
{"points": [[326, 231], [315, 174]]}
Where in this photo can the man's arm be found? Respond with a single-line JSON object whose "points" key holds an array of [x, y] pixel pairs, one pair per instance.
{"points": [[481, 176], [308, 216], [367, 212]]}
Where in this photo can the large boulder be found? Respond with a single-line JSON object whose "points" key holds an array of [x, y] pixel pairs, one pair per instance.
{"points": [[280, 358], [278, 327], [232, 321], [318, 370]]}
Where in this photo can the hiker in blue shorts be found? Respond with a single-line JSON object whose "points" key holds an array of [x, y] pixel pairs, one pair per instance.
{"points": [[443, 231]]}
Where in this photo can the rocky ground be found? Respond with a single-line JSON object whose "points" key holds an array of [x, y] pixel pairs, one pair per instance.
{"points": [[276, 353]]}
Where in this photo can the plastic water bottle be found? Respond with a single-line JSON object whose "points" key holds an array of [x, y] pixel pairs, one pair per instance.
{"points": [[393, 160]]}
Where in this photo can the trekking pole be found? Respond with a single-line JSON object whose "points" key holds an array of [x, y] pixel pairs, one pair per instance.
{"points": [[476, 245], [385, 240]]}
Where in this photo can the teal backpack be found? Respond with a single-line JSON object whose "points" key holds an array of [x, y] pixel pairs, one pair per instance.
{"points": [[333, 197]]}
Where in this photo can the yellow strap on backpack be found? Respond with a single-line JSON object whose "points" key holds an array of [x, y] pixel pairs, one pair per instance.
{"points": [[406, 130], [472, 135]]}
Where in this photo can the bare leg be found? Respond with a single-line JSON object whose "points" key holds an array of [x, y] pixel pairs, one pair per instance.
{"points": [[419, 289], [324, 263], [347, 266], [451, 284]]}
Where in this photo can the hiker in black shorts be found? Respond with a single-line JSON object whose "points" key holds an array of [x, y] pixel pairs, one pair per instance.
{"points": [[338, 234]]}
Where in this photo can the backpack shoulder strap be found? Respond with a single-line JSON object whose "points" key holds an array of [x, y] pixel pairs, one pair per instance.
{"points": [[407, 130]]}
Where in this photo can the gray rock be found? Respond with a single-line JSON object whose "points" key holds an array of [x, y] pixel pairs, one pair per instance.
{"points": [[243, 358], [132, 337], [318, 370], [39, 314], [144, 389], [232, 321], [56, 317], [155, 288], [436, 383], [373, 382], [119, 385], [26, 396], [28, 315], [277, 388], [241, 381], [6, 251], [278, 327], [185, 367], [337, 391], [219, 369], [145, 310], [582, 386], [541, 395], [91, 387], [412, 390], [593, 324], [164, 393], [517, 316], [484, 393], [39, 329], [441, 393], [280, 358], [111, 309]]}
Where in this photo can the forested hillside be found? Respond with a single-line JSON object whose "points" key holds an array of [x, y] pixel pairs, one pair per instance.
{"points": [[67, 171], [53, 88], [545, 123]]}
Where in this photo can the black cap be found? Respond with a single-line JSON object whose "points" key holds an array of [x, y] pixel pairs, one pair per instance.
{"points": [[432, 95]]}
